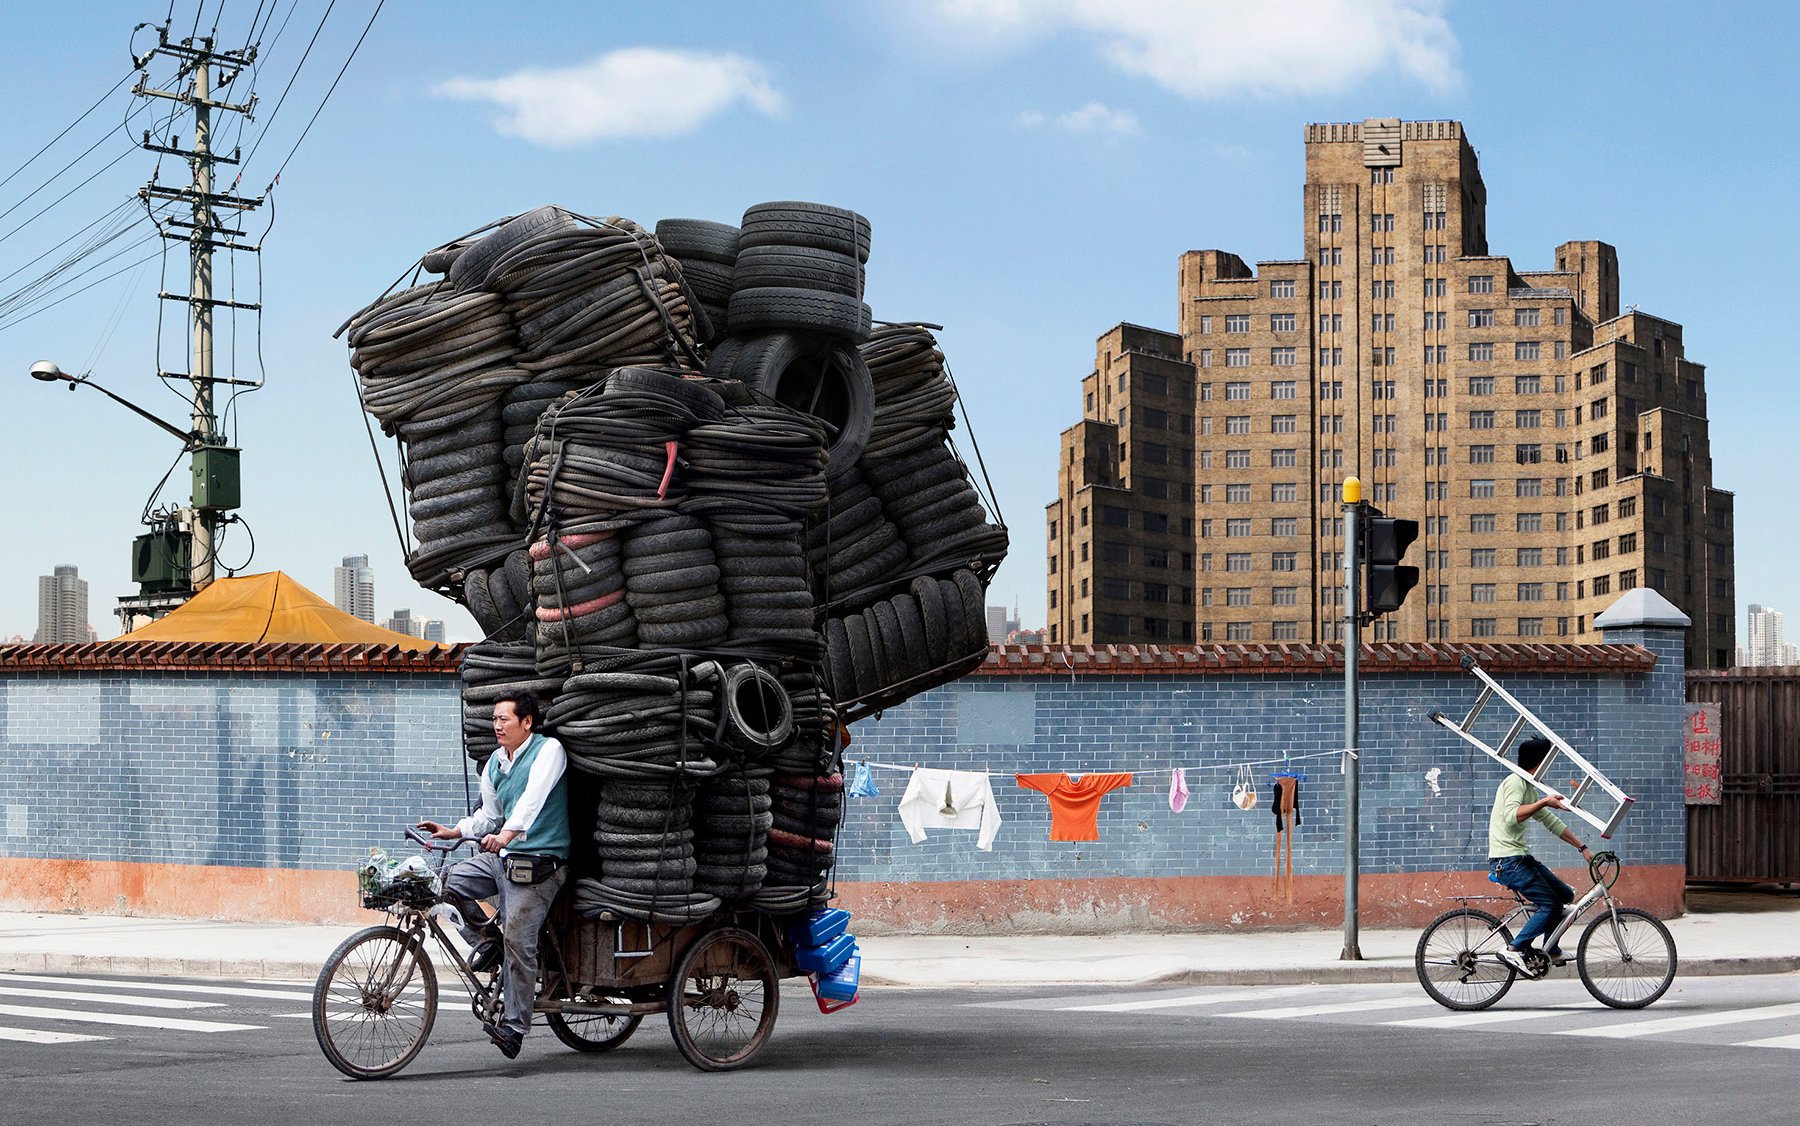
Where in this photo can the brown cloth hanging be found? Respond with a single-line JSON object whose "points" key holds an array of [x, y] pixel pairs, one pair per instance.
{"points": [[1287, 815]]}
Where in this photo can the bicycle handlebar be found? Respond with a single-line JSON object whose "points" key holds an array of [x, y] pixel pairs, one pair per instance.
{"points": [[1604, 868], [414, 834]]}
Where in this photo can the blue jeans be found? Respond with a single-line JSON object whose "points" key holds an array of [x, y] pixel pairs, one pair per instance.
{"points": [[1528, 876]]}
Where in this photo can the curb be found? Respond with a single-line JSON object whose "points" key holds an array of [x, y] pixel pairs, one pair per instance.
{"points": [[212, 969]]}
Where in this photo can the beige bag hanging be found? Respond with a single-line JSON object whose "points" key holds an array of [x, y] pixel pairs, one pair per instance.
{"points": [[1243, 795]]}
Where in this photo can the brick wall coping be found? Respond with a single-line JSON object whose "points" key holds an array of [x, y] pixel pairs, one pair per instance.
{"points": [[1003, 660], [1231, 658], [233, 656]]}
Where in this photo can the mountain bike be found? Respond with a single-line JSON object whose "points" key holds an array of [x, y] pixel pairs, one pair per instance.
{"points": [[1626, 956]]}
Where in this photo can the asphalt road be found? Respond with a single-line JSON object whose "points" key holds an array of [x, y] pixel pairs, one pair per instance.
{"points": [[1345, 1054]]}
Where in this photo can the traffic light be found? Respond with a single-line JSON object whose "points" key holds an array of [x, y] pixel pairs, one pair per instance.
{"points": [[1385, 581]]}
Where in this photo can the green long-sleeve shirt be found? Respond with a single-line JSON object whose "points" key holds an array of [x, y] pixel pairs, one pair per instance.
{"points": [[1506, 833]]}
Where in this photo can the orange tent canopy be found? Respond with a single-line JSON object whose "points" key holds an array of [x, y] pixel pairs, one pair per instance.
{"points": [[269, 608]]}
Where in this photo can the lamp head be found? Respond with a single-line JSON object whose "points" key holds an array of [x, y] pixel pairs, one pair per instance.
{"points": [[47, 371]]}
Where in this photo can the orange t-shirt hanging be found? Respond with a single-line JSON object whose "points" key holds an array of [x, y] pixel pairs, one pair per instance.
{"points": [[1074, 803]]}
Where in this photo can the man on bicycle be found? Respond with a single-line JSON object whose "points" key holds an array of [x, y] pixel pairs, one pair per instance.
{"points": [[523, 826], [1511, 864]]}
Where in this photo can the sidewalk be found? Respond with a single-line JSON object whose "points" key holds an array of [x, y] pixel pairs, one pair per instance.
{"points": [[1724, 932]]}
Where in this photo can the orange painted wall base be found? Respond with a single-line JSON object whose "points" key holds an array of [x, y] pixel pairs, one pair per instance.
{"points": [[1092, 906]]}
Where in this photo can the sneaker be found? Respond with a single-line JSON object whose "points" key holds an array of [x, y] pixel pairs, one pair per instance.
{"points": [[507, 1040], [1556, 956], [1515, 959]]}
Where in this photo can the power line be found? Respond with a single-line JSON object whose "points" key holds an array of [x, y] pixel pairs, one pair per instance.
{"points": [[282, 100], [59, 172], [66, 130], [329, 91]]}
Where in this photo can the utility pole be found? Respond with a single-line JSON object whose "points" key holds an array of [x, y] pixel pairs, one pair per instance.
{"points": [[214, 462], [1352, 654]]}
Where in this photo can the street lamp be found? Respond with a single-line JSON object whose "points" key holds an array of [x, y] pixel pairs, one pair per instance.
{"points": [[175, 558]]}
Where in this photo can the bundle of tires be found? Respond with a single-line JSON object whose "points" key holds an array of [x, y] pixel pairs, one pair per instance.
{"points": [[699, 503]]}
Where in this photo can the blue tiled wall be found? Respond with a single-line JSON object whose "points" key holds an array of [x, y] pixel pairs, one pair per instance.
{"points": [[307, 772]]}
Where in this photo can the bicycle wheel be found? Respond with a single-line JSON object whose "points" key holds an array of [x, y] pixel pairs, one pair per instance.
{"points": [[1630, 966], [723, 999], [1458, 960], [592, 1032], [374, 1003]]}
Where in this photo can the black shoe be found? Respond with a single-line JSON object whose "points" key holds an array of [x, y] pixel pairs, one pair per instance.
{"points": [[508, 1041], [486, 955]]}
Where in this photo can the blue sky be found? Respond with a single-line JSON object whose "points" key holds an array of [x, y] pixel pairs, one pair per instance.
{"points": [[1032, 170]]}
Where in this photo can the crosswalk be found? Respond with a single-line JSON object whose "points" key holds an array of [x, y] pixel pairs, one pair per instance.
{"points": [[1726, 1012], [52, 1010]]}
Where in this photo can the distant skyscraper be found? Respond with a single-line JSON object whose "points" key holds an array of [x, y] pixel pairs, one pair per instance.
{"points": [[354, 588], [1765, 646], [403, 622], [62, 608], [433, 629]]}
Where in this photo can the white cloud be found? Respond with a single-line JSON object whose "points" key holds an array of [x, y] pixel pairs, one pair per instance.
{"points": [[634, 92], [1208, 48], [1097, 118]]}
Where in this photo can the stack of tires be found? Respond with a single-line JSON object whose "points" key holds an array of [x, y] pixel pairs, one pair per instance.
{"points": [[703, 506]]}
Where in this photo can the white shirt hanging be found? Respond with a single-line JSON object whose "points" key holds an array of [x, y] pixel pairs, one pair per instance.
{"points": [[950, 799]]}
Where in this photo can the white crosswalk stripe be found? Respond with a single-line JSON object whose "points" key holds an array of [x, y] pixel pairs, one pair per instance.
{"points": [[1492, 1016], [1193, 1000], [129, 1020], [1771, 1042], [1336, 1007], [43, 1036], [107, 998], [1684, 1023], [220, 990]]}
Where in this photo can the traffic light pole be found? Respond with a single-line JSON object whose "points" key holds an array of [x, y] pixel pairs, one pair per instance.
{"points": [[1352, 651]]}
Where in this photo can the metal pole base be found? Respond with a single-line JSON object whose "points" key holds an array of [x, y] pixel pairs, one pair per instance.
{"points": [[1352, 953]]}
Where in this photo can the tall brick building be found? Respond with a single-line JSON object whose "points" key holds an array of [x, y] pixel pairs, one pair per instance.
{"points": [[1553, 448]]}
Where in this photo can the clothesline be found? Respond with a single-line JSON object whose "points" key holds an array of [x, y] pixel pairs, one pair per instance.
{"points": [[1284, 759]]}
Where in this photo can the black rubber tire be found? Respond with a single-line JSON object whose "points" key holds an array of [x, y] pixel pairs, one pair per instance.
{"points": [[1454, 945], [681, 635], [472, 266], [705, 576], [704, 607], [799, 267], [638, 565], [712, 282], [932, 620], [743, 978], [841, 673], [910, 623], [699, 239], [774, 308], [864, 678], [592, 1032], [1605, 964], [799, 223], [375, 980]]}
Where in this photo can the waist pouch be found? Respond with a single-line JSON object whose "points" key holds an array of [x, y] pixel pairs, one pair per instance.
{"points": [[530, 869]]}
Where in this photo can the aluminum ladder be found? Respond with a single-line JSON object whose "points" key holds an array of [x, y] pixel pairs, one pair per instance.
{"points": [[1559, 748]]}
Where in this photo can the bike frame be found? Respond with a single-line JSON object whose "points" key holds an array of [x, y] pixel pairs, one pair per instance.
{"points": [[1522, 907]]}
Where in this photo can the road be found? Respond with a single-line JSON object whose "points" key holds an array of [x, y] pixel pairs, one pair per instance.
{"points": [[84, 1049]]}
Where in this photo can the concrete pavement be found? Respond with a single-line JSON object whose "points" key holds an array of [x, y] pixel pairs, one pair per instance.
{"points": [[1724, 932]]}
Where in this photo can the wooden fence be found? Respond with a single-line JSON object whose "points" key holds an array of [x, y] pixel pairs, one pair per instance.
{"points": [[1753, 834]]}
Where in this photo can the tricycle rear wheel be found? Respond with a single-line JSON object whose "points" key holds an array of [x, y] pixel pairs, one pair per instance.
{"points": [[723, 999], [592, 1032]]}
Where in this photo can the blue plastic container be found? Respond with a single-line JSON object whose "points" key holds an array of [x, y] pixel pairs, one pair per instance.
{"points": [[824, 959], [820, 927], [841, 984]]}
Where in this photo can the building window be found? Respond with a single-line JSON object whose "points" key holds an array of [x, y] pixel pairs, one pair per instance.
{"points": [[1206, 357], [1237, 494], [1330, 223], [1237, 357], [1284, 631], [1481, 488], [1481, 353], [1237, 561], [1237, 322], [1281, 357], [1237, 424], [1381, 175], [1282, 389], [1282, 423], [1525, 317], [1481, 522], [1628, 543], [1481, 420], [1481, 283], [1481, 385], [1529, 522], [1602, 584], [1531, 592], [1238, 631], [1237, 390], [1284, 561], [1481, 455], [1285, 526], [1483, 557], [1206, 324], [1331, 256], [1528, 420], [1237, 526], [1484, 627], [1237, 459], [1282, 287], [1531, 627], [1237, 596], [1529, 453], [1284, 492], [1283, 459], [1482, 592], [1481, 318], [1526, 384], [1531, 557], [1331, 357]]}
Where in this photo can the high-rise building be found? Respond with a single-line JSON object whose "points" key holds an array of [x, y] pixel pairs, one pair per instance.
{"points": [[403, 622], [63, 608], [1764, 644], [353, 588], [431, 629], [1553, 448]]}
